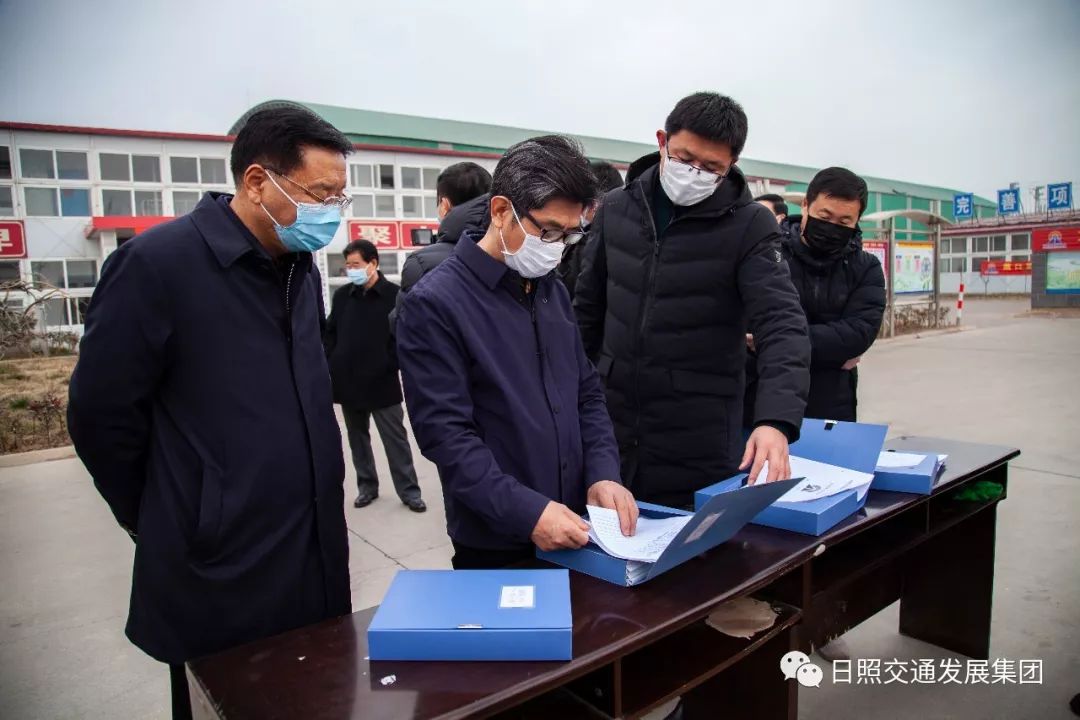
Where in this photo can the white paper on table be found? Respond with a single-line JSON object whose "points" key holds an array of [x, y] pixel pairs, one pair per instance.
{"points": [[941, 459], [648, 542], [893, 460], [821, 480]]}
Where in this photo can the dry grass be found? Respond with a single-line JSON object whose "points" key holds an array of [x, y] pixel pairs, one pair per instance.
{"points": [[33, 403]]}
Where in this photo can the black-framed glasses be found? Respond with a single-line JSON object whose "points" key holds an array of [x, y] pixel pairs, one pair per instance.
{"points": [[566, 237], [341, 202], [695, 168]]}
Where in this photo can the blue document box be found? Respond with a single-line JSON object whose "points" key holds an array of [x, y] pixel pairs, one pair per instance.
{"points": [[713, 523], [474, 615], [918, 479], [850, 445]]}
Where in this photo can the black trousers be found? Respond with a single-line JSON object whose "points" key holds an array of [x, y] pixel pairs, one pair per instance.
{"points": [[181, 698], [467, 558], [391, 425]]}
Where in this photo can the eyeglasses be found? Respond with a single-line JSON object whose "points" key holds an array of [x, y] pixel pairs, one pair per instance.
{"points": [[341, 202], [567, 237], [695, 168]]}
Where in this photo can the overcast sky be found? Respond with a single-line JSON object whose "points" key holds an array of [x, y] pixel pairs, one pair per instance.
{"points": [[970, 95]]}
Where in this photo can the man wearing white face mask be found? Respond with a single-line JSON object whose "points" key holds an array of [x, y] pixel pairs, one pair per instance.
{"points": [[501, 396], [678, 261]]}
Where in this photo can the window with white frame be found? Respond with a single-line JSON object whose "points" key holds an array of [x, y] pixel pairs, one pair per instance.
{"points": [[56, 202], [363, 206], [384, 206], [383, 191], [1021, 242], [5, 162], [71, 274], [7, 201], [197, 170], [184, 201], [35, 164], [63, 312], [360, 176], [130, 168], [9, 271], [125, 203]]}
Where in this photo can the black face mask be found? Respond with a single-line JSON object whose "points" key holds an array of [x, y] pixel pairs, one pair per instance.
{"points": [[826, 238]]}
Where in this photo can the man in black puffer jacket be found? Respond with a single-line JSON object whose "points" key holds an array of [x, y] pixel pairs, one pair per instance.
{"points": [[462, 191], [675, 261], [841, 288]]}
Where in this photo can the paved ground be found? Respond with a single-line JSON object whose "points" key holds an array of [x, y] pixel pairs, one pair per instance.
{"points": [[66, 568]]}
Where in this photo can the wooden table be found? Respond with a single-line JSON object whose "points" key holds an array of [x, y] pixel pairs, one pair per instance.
{"points": [[636, 648]]}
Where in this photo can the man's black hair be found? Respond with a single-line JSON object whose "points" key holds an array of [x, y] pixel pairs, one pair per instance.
{"points": [[779, 207], [713, 116], [840, 183], [461, 182], [366, 248], [607, 175], [275, 137], [536, 171]]}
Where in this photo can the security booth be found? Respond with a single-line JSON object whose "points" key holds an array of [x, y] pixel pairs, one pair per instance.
{"points": [[912, 280]]}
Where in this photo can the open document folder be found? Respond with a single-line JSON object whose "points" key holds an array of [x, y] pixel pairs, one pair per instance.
{"points": [[837, 462], [657, 548]]}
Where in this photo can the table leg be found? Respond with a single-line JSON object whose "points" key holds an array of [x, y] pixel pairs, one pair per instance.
{"points": [[948, 587]]}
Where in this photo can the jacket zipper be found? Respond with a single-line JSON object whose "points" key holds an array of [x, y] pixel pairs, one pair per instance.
{"points": [[643, 313], [288, 303]]}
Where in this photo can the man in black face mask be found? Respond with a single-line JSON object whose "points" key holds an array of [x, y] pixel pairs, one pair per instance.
{"points": [[841, 288]]}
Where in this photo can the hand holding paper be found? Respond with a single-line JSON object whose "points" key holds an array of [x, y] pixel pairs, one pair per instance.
{"points": [[650, 541], [613, 496]]}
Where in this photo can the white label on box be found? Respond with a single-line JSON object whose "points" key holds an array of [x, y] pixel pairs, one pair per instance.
{"points": [[518, 596], [703, 528]]}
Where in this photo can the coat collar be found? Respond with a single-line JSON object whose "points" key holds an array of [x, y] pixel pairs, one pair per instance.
{"points": [[225, 233], [379, 288], [488, 269]]}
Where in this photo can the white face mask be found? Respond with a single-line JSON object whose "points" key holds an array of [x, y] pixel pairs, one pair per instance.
{"points": [[687, 185], [535, 258]]}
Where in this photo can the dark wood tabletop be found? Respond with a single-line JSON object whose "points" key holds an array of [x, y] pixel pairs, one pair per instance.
{"points": [[322, 671]]}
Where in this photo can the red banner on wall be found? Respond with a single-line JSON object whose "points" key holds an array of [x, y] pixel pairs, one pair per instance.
{"points": [[12, 240], [385, 235], [1004, 267], [1045, 239]]}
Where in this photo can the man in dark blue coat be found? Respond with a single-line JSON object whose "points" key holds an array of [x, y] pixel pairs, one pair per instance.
{"points": [[501, 395], [201, 404]]}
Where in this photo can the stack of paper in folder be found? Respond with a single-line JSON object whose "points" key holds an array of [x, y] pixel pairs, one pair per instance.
{"points": [[665, 537], [907, 472], [643, 548], [835, 463]]}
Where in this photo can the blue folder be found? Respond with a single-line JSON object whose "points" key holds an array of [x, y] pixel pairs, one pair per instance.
{"points": [[712, 524], [474, 615], [918, 479], [850, 445]]}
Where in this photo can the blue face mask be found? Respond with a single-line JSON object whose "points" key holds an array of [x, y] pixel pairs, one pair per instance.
{"points": [[313, 229], [358, 276]]}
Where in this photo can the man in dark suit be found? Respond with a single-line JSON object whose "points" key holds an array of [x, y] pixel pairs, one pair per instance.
{"points": [[364, 373], [201, 404]]}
